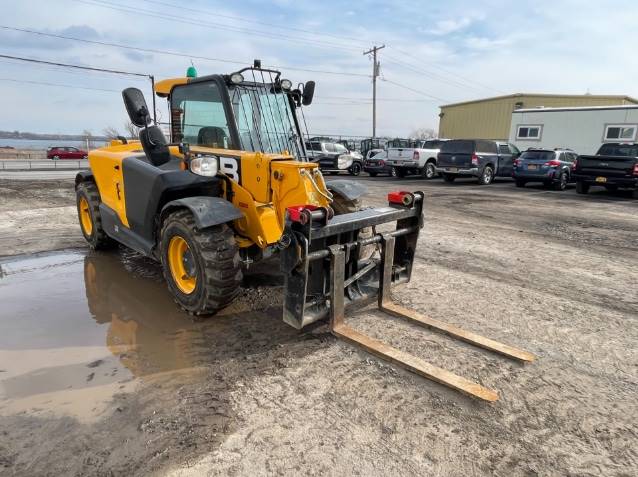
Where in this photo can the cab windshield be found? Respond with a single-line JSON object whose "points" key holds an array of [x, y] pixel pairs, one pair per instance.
{"points": [[265, 119]]}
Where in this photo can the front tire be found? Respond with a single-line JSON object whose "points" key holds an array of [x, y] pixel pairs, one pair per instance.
{"points": [[341, 206], [372, 174], [581, 187], [355, 169], [87, 199], [393, 172], [201, 267], [487, 176]]}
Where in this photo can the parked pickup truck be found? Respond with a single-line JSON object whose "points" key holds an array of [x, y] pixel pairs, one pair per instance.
{"points": [[614, 166], [334, 158], [414, 157], [479, 158]]}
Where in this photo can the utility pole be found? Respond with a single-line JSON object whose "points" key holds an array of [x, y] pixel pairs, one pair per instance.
{"points": [[375, 73]]}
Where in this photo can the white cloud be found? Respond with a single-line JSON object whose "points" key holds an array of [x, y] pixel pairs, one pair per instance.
{"points": [[484, 44], [445, 27]]}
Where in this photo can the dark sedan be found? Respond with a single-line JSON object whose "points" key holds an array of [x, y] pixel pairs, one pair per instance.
{"points": [[376, 164]]}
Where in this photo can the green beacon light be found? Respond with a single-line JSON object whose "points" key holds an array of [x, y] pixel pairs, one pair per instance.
{"points": [[191, 72]]}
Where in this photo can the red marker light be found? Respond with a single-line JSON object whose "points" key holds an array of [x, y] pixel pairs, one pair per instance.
{"points": [[400, 198]]}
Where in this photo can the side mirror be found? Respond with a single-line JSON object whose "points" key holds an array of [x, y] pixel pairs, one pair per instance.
{"points": [[308, 93], [136, 107]]}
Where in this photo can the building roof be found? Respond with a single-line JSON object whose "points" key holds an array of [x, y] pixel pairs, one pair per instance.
{"points": [[619, 97], [542, 109]]}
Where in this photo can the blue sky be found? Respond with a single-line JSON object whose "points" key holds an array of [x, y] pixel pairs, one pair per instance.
{"points": [[437, 51]]}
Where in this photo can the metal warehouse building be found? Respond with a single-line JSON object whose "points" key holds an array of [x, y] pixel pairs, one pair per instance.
{"points": [[490, 118]]}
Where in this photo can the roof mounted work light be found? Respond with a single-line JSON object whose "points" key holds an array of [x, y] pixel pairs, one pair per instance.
{"points": [[236, 78]]}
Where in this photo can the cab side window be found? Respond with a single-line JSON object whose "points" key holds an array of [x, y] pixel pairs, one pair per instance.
{"points": [[198, 116], [486, 147]]}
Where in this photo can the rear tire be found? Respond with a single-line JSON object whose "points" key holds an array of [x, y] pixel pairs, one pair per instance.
{"points": [[561, 184], [581, 187], [520, 183], [393, 172], [612, 188], [372, 174], [487, 176], [429, 171], [355, 169], [634, 194], [210, 274], [401, 172], [449, 178], [87, 200]]}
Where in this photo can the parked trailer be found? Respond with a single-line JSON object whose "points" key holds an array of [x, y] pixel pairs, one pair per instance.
{"points": [[582, 129]]}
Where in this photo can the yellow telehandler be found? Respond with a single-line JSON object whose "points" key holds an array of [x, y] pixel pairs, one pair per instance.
{"points": [[233, 187]]}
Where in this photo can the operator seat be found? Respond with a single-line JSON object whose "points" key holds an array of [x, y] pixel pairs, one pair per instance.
{"points": [[155, 145], [212, 136], [151, 136]]}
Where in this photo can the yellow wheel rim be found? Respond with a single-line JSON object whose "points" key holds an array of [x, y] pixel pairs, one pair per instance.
{"points": [[180, 263], [85, 216]]}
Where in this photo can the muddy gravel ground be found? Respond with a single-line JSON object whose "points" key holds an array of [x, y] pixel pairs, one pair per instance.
{"points": [[101, 375]]}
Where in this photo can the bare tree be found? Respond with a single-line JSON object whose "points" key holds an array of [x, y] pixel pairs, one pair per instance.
{"points": [[110, 132], [424, 133], [131, 130]]}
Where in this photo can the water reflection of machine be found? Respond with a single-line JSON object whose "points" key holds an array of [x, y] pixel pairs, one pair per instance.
{"points": [[147, 332]]}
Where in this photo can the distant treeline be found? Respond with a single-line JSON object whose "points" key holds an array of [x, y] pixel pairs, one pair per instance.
{"points": [[49, 137]]}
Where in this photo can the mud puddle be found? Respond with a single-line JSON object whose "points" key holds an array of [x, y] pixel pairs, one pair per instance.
{"points": [[76, 328]]}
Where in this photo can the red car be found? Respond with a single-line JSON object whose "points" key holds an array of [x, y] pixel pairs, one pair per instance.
{"points": [[66, 153]]}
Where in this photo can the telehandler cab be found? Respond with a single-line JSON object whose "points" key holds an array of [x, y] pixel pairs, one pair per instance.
{"points": [[233, 187]]}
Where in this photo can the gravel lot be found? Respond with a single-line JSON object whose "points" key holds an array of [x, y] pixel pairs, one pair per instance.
{"points": [[147, 390]]}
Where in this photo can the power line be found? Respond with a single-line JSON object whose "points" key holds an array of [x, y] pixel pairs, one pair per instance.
{"points": [[80, 67], [88, 68], [456, 75], [167, 52], [394, 100], [246, 20], [414, 90], [43, 83], [215, 26], [442, 79]]}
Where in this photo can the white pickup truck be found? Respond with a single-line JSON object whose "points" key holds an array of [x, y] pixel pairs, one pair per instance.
{"points": [[414, 156]]}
